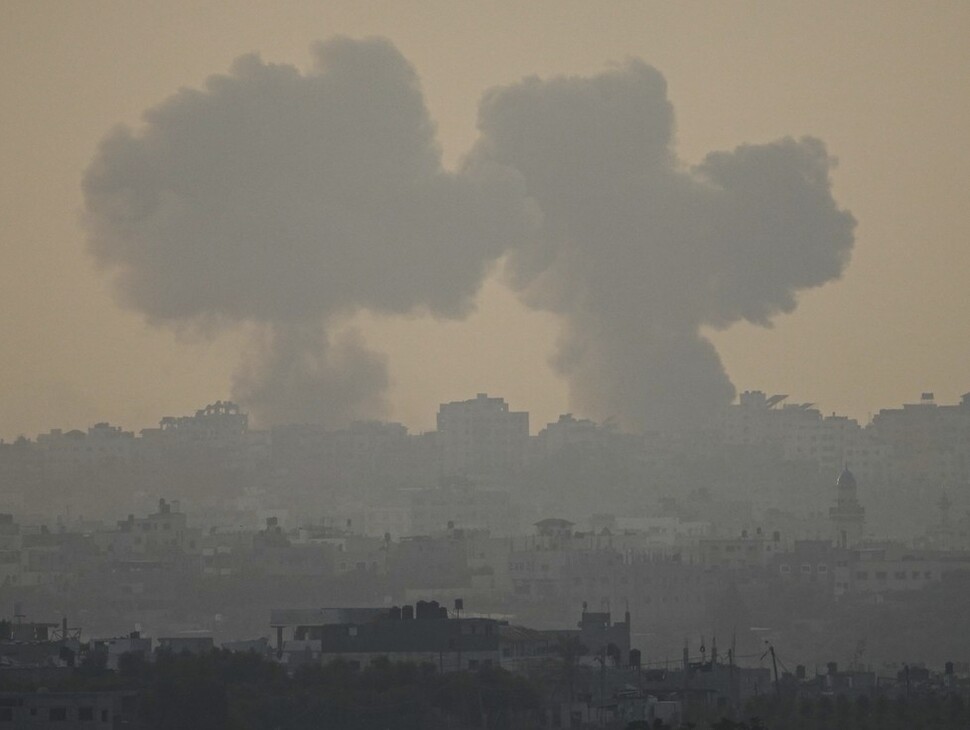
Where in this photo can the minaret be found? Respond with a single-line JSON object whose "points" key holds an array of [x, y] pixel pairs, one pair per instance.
{"points": [[848, 516]]}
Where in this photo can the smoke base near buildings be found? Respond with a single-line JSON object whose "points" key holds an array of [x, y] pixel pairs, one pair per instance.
{"points": [[291, 201]]}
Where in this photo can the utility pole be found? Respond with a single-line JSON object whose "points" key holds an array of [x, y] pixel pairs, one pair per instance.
{"points": [[774, 664], [686, 662], [459, 605], [602, 683], [735, 682]]}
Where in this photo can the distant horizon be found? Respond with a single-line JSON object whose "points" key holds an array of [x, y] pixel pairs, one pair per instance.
{"points": [[534, 427]]}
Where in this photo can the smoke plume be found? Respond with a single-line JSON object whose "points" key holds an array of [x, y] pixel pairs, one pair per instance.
{"points": [[291, 200], [637, 252]]}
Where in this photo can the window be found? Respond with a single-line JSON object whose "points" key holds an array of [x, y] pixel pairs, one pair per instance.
{"points": [[57, 714], [900, 575], [85, 714], [862, 575], [822, 569], [6, 714], [784, 569], [806, 568]]}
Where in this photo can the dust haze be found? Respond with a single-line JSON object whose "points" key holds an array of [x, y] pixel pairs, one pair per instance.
{"points": [[674, 552]]}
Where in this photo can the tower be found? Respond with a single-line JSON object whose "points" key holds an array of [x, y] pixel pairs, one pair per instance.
{"points": [[848, 516]]}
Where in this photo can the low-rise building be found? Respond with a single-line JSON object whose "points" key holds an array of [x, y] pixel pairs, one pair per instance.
{"points": [[421, 634]]}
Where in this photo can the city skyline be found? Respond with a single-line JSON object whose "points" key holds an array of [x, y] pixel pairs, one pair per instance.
{"points": [[352, 351], [534, 425]]}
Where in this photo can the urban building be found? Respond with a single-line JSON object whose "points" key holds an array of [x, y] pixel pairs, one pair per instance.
{"points": [[481, 437], [424, 633]]}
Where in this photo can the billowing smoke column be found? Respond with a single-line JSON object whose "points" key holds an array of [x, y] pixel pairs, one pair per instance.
{"points": [[290, 201], [637, 252]]}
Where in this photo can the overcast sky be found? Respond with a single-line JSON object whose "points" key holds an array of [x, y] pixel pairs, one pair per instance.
{"points": [[883, 84]]}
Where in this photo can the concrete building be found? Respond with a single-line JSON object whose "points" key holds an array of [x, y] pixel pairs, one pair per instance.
{"points": [[102, 445], [390, 516], [481, 437], [567, 433], [462, 506], [421, 634], [748, 423], [164, 533], [799, 432], [220, 424], [817, 564], [602, 636], [186, 644], [216, 434], [117, 647], [747, 551], [11, 551], [424, 562], [930, 442], [892, 568]]}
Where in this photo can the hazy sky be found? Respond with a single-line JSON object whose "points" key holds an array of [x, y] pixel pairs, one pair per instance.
{"points": [[882, 83]]}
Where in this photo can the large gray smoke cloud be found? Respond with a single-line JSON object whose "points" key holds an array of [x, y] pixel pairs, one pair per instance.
{"points": [[291, 201], [638, 253]]}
